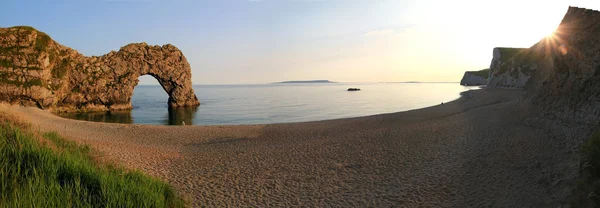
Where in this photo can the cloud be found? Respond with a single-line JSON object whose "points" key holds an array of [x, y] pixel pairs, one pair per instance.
{"points": [[394, 30], [380, 32]]}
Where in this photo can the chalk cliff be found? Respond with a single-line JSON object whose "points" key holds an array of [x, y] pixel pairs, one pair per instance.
{"points": [[475, 78], [36, 70], [511, 67]]}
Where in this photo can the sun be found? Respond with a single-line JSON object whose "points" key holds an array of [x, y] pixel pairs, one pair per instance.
{"points": [[553, 43]]}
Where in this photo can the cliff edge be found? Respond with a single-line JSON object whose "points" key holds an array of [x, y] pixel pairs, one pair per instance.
{"points": [[475, 78], [37, 71], [566, 83], [511, 67]]}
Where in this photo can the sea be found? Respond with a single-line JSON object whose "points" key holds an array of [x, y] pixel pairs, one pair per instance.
{"points": [[277, 103]]}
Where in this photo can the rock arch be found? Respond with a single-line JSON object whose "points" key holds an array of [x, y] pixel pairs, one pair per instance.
{"points": [[35, 70], [119, 71]]}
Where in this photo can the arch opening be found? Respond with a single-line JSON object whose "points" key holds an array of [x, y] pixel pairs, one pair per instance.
{"points": [[150, 103]]}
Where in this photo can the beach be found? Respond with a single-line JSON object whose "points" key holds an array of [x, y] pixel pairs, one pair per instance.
{"points": [[472, 152]]}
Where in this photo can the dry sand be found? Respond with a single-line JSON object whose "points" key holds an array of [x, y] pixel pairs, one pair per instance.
{"points": [[473, 152]]}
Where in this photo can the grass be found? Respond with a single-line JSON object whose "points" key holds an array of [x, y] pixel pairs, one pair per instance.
{"points": [[29, 28], [587, 192], [25, 84], [41, 42], [5, 63], [514, 57], [482, 73], [48, 171], [61, 70], [508, 53], [10, 50]]}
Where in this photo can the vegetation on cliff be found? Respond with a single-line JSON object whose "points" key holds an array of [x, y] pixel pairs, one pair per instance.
{"points": [[37, 71], [482, 73], [45, 170], [509, 53]]}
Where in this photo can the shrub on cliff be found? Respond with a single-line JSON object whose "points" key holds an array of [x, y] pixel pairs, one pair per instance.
{"points": [[482, 73]]}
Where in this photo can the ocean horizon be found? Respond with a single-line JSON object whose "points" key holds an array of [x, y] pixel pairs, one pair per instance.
{"points": [[236, 104]]}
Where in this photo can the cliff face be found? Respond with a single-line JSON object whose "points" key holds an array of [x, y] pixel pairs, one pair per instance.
{"points": [[475, 78], [567, 83], [511, 67], [35, 70]]}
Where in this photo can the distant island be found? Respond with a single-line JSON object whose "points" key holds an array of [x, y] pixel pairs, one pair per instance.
{"points": [[416, 82], [305, 81]]}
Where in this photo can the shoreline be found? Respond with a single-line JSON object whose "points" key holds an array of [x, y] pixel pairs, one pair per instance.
{"points": [[473, 151], [56, 113]]}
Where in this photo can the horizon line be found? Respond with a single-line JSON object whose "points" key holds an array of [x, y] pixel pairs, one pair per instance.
{"points": [[270, 83]]}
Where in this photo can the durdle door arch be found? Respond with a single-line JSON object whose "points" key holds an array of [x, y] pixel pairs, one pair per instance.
{"points": [[41, 72], [166, 64]]}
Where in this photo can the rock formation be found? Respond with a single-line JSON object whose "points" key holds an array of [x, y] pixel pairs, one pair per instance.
{"points": [[35, 70], [567, 82], [565, 90], [475, 78], [511, 67]]}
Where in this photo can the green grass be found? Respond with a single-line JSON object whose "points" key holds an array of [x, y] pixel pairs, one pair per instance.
{"points": [[524, 58], [587, 192], [10, 50], [508, 53], [482, 73], [49, 171], [6, 63], [60, 70], [29, 28], [26, 84], [41, 42]]}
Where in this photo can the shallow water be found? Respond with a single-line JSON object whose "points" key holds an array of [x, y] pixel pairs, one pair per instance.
{"points": [[278, 103]]}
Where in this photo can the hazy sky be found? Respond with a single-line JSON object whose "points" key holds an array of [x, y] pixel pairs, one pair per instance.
{"points": [[261, 41]]}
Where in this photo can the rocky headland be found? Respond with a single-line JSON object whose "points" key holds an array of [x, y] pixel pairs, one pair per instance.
{"points": [[493, 147], [475, 78], [560, 73], [37, 71], [510, 68]]}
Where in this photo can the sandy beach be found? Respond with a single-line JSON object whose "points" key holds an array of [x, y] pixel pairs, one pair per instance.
{"points": [[477, 151]]}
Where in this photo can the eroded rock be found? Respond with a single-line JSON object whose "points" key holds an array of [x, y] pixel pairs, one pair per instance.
{"points": [[35, 70], [475, 78], [567, 82], [511, 67]]}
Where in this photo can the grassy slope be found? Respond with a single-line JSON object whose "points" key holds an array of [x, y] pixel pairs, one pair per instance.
{"points": [[482, 73], [49, 171]]}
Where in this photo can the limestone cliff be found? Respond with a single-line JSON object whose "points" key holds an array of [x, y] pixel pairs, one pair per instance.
{"points": [[475, 78], [511, 67], [36, 70]]}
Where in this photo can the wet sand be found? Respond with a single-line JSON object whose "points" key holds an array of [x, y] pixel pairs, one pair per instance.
{"points": [[473, 152]]}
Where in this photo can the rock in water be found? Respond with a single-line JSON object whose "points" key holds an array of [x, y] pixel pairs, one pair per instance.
{"points": [[36, 70]]}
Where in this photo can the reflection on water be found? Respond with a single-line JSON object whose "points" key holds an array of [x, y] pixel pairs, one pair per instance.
{"points": [[181, 116], [175, 116], [270, 103], [109, 117]]}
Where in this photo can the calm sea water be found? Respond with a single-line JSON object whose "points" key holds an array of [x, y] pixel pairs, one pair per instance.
{"points": [[278, 103]]}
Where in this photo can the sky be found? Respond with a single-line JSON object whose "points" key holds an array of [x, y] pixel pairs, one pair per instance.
{"points": [[264, 41]]}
